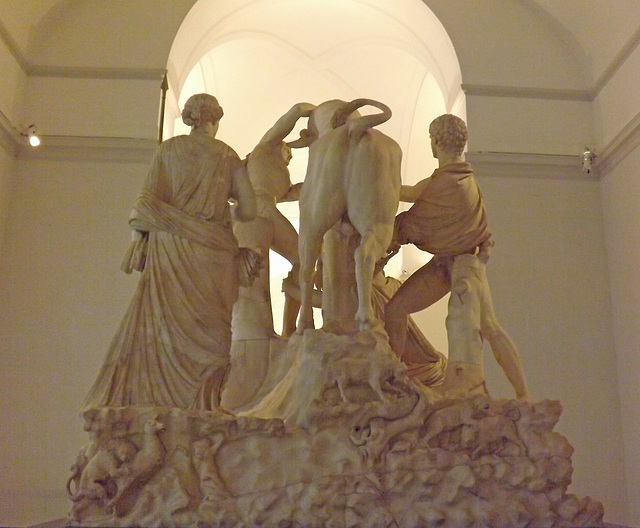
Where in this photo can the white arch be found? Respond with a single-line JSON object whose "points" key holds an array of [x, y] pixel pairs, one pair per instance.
{"points": [[261, 56], [331, 42]]}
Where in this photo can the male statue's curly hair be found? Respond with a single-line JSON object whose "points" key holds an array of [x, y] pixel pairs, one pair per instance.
{"points": [[450, 132], [200, 109]]}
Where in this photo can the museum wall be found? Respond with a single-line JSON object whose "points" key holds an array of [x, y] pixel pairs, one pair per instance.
{"points": [[616, 106], [133, 34], [12, 83], [63, 296], [519, 46], [617, 126], [620, 196], [7, 163], [529, 126], [94, 108], [618, 129], [549, 282], [63, 293]]}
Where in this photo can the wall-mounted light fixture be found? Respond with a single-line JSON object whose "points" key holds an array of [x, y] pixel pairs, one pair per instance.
{"points": [[31, 135], [588, 157]]}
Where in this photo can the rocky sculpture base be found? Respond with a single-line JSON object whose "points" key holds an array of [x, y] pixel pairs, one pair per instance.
{"points": [[344, 440]]}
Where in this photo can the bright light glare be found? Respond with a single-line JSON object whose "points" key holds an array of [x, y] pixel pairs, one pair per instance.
{"points": [[34, 141]]}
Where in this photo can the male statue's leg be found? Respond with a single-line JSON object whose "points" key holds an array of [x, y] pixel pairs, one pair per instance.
{"points": [[285, 243], [423, 288], [502, 346]]}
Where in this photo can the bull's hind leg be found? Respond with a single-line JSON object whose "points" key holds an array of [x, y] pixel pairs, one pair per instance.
{"points": [[366, 256]]}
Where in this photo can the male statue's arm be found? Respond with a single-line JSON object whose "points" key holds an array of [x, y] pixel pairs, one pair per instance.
{"points": [[241, 189], [293, 194], [411, 193], [284, 125]]}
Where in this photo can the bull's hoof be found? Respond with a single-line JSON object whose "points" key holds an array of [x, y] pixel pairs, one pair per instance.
{"points": [[365, 320], [365, 324]]}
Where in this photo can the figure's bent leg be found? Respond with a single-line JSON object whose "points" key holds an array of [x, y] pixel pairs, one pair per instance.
{"points": [[289, 315], [285, 243], [426, 286], [502, 346]]}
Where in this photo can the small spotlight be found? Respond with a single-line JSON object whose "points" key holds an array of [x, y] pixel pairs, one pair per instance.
{"points": [[588, 157], [31, 135]]}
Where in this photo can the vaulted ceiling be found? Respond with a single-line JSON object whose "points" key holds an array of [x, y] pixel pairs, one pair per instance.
{"points": [[599, 29]]}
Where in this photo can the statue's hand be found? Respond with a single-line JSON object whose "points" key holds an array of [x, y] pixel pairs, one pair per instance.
{"points": [[393, 249], [305, 109]]}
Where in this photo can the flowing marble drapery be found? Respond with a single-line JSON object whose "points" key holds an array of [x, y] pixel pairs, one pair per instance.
{"points": [[449, 217], [173, 343]]}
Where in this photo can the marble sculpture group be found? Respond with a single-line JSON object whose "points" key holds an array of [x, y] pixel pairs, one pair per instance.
{"points": [[203, 416]]}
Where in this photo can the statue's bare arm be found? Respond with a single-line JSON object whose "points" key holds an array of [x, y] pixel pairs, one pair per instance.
{"points": [[293, 194], [284, 125], [411, 193], [241, 190]]}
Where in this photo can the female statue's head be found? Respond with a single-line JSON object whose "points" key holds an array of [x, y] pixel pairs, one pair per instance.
{"points": [[201, 109], [450, 132]]}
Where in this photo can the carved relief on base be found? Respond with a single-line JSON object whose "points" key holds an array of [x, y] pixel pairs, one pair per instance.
{"points": [[339, 442]]}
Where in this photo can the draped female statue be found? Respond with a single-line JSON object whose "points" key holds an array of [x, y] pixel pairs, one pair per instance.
{"points": [[172, 347]]}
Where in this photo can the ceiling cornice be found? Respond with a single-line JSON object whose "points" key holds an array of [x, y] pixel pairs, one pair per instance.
{"points": [[37, 70], [514, 165], [94, 149], [526, 93], [627, 140], [560, 166], [70, 72], [75, 148], [617, 62]]}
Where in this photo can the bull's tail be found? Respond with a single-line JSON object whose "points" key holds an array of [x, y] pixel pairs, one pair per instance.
{"points": [[360, 124]]}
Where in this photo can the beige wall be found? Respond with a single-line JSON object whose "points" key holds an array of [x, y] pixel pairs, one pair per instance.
{"points": [[620, 197], [549, 281], [523, 50], [7, 163], [617, 120], [63, 296]]}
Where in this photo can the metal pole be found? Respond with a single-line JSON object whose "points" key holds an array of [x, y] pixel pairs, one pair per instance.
{"points": [[164, 87]]}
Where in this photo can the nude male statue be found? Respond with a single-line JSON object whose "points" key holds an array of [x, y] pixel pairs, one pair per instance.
{"points": [[267, 166], [448, 220], [257, 352]]}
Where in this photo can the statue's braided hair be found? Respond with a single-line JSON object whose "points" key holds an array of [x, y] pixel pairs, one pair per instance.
{"points": [[201, 108]]}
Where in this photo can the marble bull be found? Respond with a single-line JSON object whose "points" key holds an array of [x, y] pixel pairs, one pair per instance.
{"points": [[353, 174]]}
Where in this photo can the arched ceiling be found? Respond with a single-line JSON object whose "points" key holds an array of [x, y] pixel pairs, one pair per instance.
{"points": [[600, 28], [398, 54]]}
